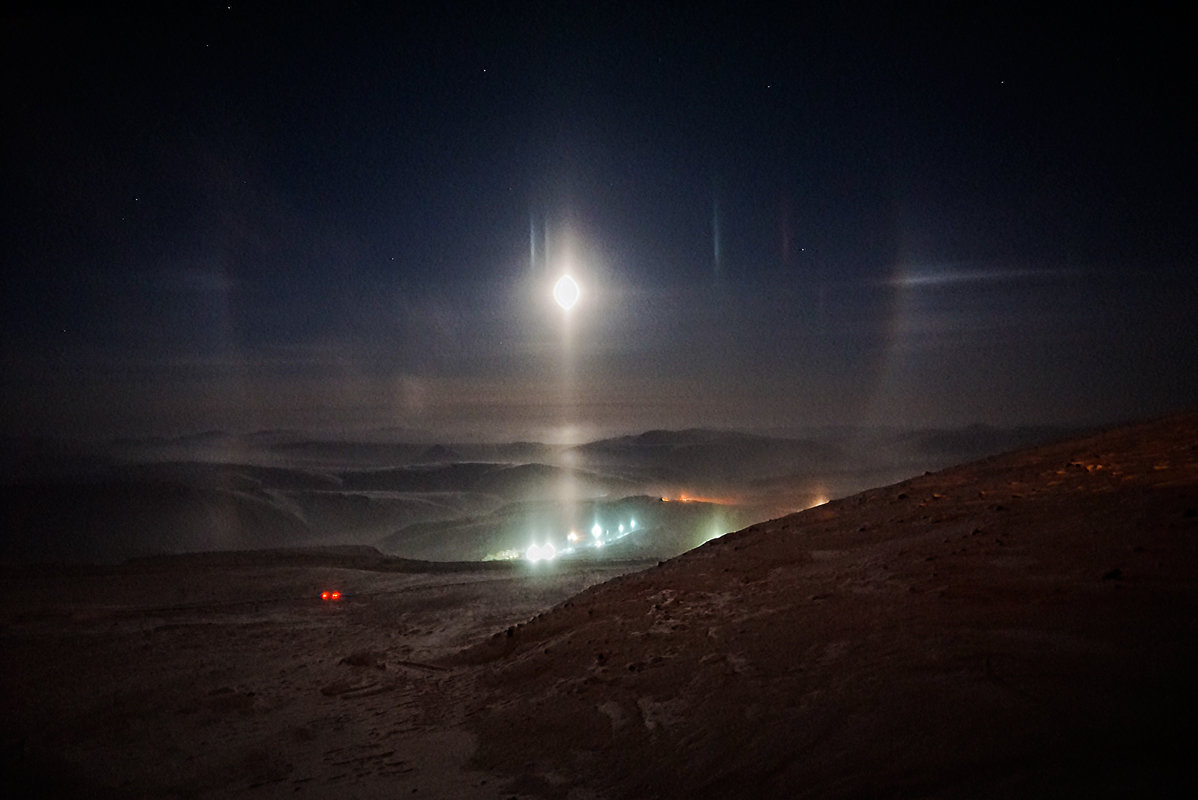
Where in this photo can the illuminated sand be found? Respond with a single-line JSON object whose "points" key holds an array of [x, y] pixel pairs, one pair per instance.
{"points": [[210, 675], [1023, 626]]}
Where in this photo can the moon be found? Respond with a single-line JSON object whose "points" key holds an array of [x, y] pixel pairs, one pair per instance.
{"points": [[565, 292]]}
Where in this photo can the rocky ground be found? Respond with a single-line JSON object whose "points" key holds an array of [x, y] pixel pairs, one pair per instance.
{"points": [[1021, 626]]}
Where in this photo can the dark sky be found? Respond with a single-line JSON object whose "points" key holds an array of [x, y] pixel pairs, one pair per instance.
{"points": [[340, 217]]}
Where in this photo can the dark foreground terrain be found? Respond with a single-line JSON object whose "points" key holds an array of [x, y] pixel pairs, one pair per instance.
{"points": [[1022, 626]]}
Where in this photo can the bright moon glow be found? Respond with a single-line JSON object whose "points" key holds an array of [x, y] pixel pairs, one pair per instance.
{"points": [[565, 292]]}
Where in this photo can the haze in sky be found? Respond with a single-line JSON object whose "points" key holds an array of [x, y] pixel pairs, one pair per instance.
{"points": [[345, 217]]}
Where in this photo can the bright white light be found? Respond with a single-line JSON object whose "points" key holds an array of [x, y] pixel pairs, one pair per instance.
{"points": [[598, 543], [565, 292], [632, 525], [537, 553], [596, 531], [621, 527]]}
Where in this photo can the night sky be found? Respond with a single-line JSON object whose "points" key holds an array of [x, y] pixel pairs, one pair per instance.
{"points": [[343, 217]]}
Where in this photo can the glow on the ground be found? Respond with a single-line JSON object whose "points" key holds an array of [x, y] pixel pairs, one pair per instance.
{"points": [[566, 292], [536, 552]]}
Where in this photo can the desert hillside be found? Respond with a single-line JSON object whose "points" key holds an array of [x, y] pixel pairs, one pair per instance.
{"points": [[1026, 625]]}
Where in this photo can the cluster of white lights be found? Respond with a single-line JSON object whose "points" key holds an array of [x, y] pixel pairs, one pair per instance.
{"points": [[602, 536], [599, 537]]}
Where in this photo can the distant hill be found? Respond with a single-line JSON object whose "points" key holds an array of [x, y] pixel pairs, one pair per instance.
{"points": [[110, 521], [707, 457], [360, 455], [973, 440]]}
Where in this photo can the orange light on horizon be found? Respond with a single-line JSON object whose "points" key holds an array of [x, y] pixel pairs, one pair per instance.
{"points": [[686, 498]]}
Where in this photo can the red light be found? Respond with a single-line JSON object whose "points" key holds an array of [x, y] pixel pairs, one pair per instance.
{"points": [[324, 595], [335, 596]]}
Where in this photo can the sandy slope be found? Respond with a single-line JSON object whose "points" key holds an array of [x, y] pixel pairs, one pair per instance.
{"points": [[1020, 626], [210, 675], [1024, 625]]}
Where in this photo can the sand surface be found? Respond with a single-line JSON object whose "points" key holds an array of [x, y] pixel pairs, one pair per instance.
{"points": [[204, 676], [1021, 626]]}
